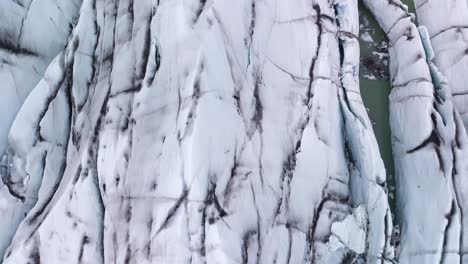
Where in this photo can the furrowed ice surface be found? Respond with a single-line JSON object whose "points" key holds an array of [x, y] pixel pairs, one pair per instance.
{"points": [[447, 23], [32, 33], [429, 145], [203, 132]]}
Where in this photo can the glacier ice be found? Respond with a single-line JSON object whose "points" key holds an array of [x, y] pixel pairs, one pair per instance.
{"points": [[219, 131]]}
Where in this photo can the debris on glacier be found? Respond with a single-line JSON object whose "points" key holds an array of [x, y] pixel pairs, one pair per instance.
{"points": [[205, 132]]}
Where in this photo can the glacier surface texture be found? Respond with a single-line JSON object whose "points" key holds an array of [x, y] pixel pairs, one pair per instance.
{"points": [[233, 131]]}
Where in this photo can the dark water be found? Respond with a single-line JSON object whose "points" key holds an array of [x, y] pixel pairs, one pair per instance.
{"points": [[375, 87]]}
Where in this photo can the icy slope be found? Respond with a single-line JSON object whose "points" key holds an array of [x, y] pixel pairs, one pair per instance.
{"points": [[199, 131]]}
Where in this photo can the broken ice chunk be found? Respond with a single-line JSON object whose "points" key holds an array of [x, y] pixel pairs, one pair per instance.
{"points": [[351, 232]]}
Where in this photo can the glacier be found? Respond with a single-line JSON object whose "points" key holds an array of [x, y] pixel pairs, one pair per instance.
{"points": [[219, 131]]}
